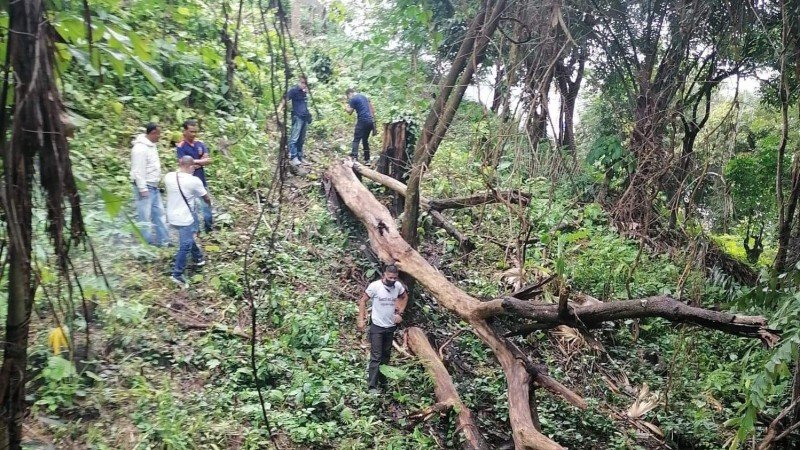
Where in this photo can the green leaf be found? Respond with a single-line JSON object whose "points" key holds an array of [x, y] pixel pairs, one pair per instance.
{"points": [[70, 28], [393, 373], [111, 201], [117, 39], [117, 61], [140, 47], [150, 73], [136, 231], [178, 96]]}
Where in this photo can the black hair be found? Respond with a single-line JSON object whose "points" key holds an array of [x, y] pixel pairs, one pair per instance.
{"points": [[390, 268], [349, 91], [189, 123], [150, 127]]}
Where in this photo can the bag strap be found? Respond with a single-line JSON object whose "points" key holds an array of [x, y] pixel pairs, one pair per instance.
{"points": [[178, 180]]}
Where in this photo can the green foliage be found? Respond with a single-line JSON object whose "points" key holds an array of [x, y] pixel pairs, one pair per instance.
{"points": [[751, 177], [601, 130], [59, 385], [766, 387]]}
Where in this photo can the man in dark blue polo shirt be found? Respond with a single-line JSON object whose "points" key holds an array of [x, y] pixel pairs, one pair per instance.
{"points": [[190, 146], [365, 123], [301, 118]]}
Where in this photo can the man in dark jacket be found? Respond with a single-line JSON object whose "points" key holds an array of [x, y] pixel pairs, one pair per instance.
{"points": [[365, 123], [301, 118]]}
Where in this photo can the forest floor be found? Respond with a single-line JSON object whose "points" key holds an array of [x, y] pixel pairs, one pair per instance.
{"points": [[171, 368]]}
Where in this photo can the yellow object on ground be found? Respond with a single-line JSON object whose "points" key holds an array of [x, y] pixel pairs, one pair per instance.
{"points": [[58, 339]]}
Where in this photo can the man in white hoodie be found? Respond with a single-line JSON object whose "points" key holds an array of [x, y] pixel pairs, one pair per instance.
{"points": [[146, 174]]}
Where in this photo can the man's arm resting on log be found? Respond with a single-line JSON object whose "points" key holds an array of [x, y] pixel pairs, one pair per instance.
{"points": [[400, 305]]}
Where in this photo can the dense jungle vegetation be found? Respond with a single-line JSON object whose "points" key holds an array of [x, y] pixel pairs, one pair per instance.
{"points": [[651, 148]]}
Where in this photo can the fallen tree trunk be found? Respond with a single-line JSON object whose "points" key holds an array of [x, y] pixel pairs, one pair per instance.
{"points": [[438, 219], [593, 315], [484, 198], [519, 370], [446, 393], [390, 247]]}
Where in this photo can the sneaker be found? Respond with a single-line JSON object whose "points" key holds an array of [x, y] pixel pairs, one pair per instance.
{"points": [[305, 163], [373, 391], [295, 161], [180, 280], [200, 263]]}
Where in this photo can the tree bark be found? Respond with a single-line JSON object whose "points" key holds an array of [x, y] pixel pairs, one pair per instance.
{"points": [[515, 196], [446, 393], [37, 130], [568, 88], [593, 315], [786, 209], [231, 47]]}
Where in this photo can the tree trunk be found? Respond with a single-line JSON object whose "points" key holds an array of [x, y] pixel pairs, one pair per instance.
{"points": [[568, 88], [19, 170], [786, 208], [446, 393], [470, 55], [497, 94], [635, 204], [400, 189], [231, 47], [37, 130]]}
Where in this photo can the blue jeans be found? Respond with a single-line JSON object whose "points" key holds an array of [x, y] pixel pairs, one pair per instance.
{"points": [[208, 218], [297, 137], [150, 212], [186, 245]]}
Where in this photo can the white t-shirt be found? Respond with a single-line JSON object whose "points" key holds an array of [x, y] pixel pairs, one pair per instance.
{"points": [[178, 212], [383, 299]]}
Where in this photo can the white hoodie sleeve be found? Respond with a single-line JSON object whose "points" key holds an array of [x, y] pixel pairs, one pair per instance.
{"points": [[139, 167]]}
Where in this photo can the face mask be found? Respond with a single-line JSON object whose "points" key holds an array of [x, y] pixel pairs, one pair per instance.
{"points": [[389, 283]]}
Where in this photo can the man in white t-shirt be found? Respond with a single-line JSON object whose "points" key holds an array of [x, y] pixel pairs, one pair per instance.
{"points": [[389, 299], [183, 189]]}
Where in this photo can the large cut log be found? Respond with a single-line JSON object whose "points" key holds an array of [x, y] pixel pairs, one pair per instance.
{"points": [[385, 239], [438, 219], [446, 393]]}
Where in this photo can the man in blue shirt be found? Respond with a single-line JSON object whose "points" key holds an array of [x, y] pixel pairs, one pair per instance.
{"points": [[190, 146], [301, 118], [365, 122]]}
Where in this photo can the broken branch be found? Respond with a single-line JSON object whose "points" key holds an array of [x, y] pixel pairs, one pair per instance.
{"points": [[446, 393]]}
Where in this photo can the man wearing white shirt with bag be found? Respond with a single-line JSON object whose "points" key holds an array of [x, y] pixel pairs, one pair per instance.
{"points": [[182, 190]]}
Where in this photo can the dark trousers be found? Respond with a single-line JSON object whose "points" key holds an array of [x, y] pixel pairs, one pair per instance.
{"points": [[380, 340], [361, 135]]}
